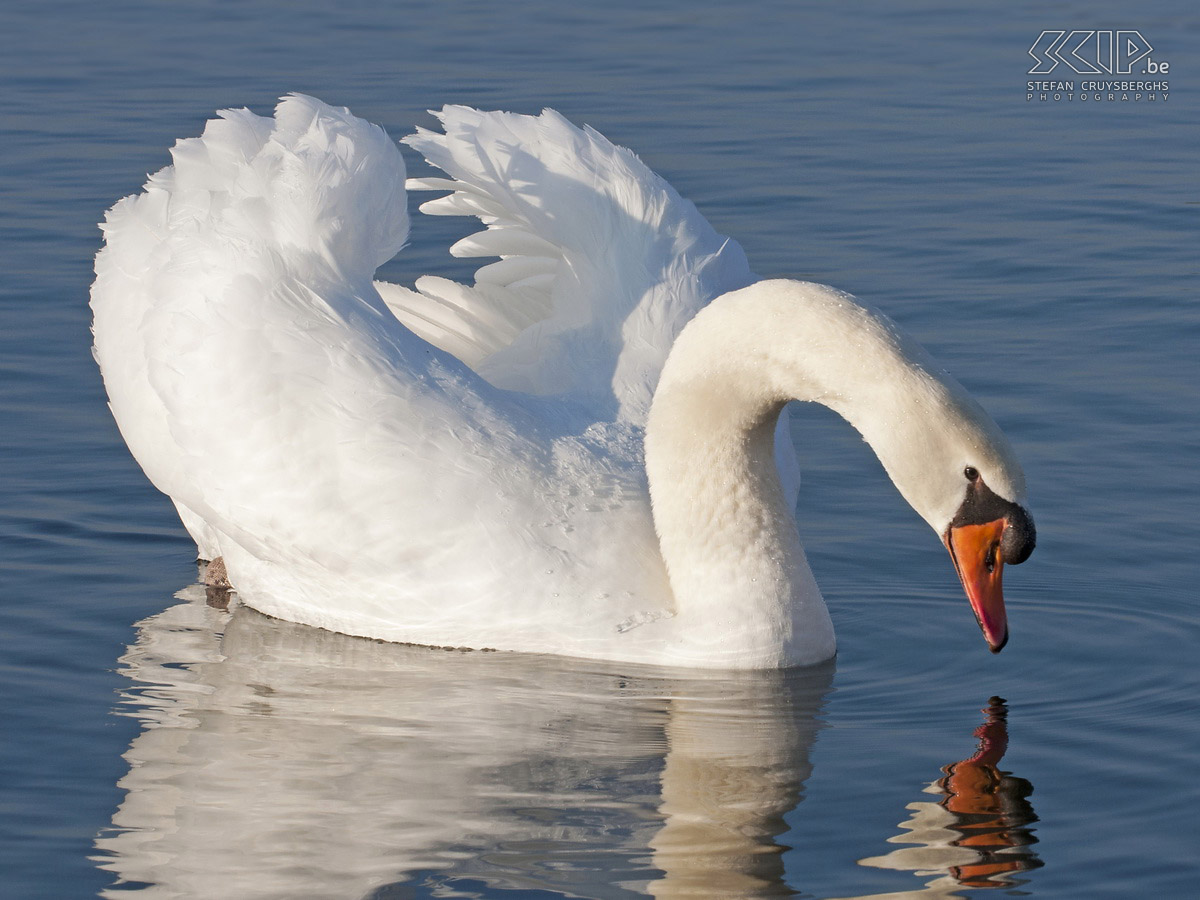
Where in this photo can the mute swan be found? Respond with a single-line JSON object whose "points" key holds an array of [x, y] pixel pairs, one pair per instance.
{"points": [[577, 455]]}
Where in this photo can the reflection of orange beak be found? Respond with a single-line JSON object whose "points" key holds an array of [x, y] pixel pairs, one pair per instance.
{"points": [[975, 550]]}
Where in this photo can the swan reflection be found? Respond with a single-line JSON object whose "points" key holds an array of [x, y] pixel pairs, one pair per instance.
{"points": [[276, 760], [978, 834]]}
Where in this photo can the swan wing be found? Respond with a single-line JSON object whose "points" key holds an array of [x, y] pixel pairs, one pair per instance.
{"points": [[601, 262], [258, 377]]}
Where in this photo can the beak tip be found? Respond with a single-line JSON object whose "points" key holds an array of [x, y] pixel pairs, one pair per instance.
{"points": [[999, 645]]}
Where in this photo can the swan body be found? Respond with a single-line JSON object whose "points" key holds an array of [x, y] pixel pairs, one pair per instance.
{"points": [[579, 454]]}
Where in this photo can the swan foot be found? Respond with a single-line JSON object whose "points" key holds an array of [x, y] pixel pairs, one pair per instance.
{"points": [[216, 583], [215, 575]]}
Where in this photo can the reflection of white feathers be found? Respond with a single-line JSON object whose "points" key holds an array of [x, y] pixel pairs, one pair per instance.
{"points": [[464, 465], [282, 761], [932, 829], [973, 846]]}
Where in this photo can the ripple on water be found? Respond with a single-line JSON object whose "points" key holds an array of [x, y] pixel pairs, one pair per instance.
{"points": [[914, 655]]}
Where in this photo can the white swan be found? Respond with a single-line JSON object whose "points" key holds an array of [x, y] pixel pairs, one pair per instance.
{"points": [[464, 465]]}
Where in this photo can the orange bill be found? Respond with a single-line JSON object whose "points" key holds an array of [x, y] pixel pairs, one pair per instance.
{"points": [[975, 550]]}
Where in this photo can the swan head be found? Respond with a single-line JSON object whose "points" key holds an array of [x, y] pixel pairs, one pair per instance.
{"points": [[956, 468], [944, 453], [986, 533]]}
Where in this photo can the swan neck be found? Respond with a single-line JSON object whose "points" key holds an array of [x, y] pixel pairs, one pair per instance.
{"points": [[727, 532]]}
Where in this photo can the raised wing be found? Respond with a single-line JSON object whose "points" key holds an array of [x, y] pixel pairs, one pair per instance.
{"points": [[601, 261], [256, 375]]}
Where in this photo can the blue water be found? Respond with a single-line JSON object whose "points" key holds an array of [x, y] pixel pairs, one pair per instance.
{"points": [[1046, 252]]}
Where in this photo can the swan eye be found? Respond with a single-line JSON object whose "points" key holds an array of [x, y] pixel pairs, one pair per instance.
{"points": [[972, 473]]}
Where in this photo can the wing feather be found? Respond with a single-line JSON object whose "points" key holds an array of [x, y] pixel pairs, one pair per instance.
{"points": [[601, 261], [257, 376]]}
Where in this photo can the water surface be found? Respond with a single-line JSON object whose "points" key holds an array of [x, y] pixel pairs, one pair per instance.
{"points": [[1046, 253]]}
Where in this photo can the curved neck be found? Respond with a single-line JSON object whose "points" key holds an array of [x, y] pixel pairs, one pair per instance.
{"points": [[727, 534], [743, 589]]}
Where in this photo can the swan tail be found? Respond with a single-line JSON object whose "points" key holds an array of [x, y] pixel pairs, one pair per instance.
{"points": [[601, 262]]}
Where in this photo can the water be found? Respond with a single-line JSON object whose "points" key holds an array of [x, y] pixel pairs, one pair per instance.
{"points": [[1045, 252]]}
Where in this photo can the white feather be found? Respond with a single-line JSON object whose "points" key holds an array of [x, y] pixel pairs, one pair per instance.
{"points": [[464, 465]]}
